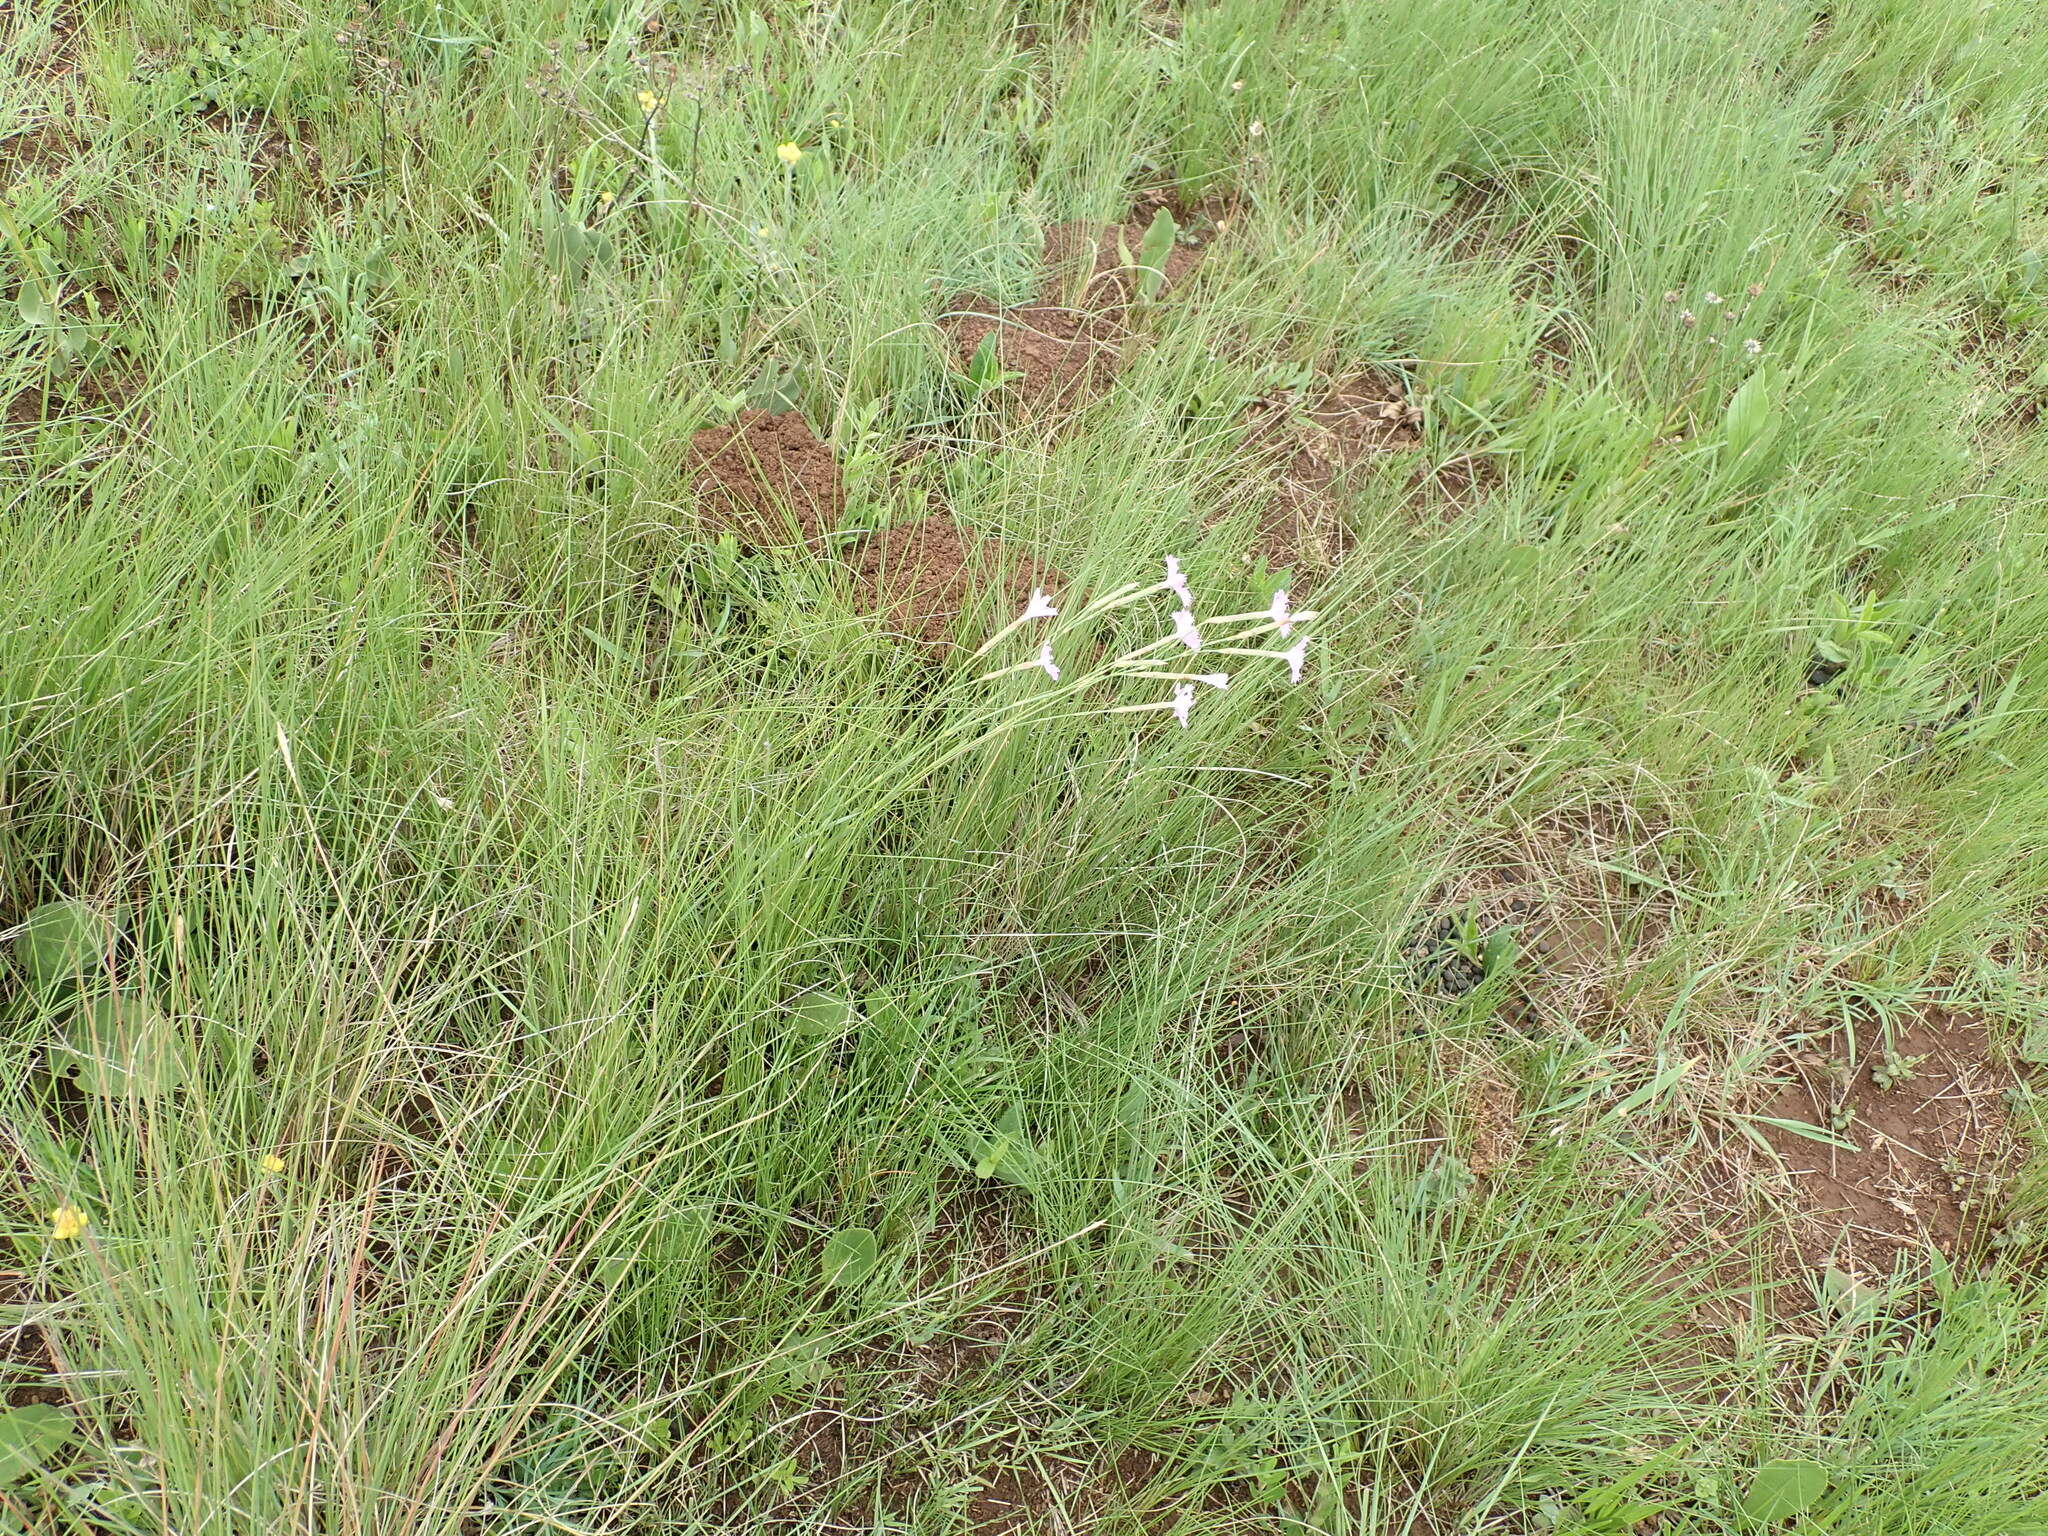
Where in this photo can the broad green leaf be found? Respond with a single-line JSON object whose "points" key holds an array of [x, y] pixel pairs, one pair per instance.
{"points": [[62, 941], [850, 1256], [1007, 1154], [1152, 253], [35, 306], [991, 1157], [1784, 1488], [985, 368], [1749, 412], [29, 1435], [1132, 1104], [118, 1048], [775, 390], [825, 1015]]}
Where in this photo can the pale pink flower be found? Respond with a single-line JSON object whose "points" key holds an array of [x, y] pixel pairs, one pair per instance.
{"points": [[1183, 701], [1281, 614], [1296, 657], [1184, 629], [1040, 606], [1177, 584], [1711, 297], [1217, 680], [1052, 668]]}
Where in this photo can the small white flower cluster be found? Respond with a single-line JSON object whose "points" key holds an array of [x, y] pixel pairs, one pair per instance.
{"points": [[1280, 618], [1711, 301]]}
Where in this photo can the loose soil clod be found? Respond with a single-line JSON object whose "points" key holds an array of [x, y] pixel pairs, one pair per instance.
{"points": [[767, 478], [1440, 960]]}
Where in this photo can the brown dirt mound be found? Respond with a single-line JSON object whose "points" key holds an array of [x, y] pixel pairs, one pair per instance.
{"points": [[767, 478], [1096, 266], [1931, 1148], [1068, 344], [920, 578], [1313, 450], [1061, 356]]}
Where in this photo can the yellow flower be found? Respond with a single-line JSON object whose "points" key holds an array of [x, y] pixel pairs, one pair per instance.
{"points": [[765, 232], [604, 199], [272, 1163], [649, 103], [788, 154], [67, 1223]]}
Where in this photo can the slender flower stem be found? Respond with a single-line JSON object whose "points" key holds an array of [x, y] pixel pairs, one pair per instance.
{"points": [[1123, 597], [1267, 621], [997, 639], [1136, 709]]}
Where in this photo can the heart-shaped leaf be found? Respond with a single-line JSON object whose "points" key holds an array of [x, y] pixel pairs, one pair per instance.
{"points": [[35, 307], [29, 1436], [121, 1048], [825, 1015], [62, 941], [1784, 1488], [850, 1256]]}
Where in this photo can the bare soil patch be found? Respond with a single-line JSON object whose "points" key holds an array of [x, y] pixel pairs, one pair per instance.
{"points": [[766, 478], [1054, 1496], [1933, 1142], [1492, 1115], [1447, 491], [1068, 343], [27, 1360], [101, 392], [43, 149], [59, 55], [1575, 927], [1061, 356], [1312, 450], [919, 579]]}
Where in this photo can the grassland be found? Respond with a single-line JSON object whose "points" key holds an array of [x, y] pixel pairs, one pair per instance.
{"points": [[582, 1006]]}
